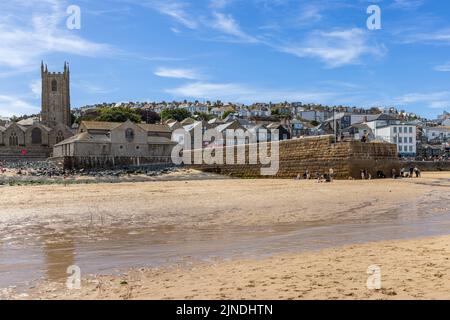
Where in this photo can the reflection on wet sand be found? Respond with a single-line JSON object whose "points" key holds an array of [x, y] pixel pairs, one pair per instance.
{"points": [[105, 240], [59, 254]]}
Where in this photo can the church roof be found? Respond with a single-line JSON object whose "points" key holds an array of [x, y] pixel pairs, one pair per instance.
{"points": [[14, 124], [86, 137], [28, 121], [100, 125]]}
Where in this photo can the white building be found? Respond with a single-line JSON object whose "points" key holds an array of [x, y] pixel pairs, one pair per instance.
{"points": [[4, 121], [439, 134], [403, 135], [194, 107]]}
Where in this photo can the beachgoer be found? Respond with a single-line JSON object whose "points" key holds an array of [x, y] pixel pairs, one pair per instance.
{"points": [[331, 173]]}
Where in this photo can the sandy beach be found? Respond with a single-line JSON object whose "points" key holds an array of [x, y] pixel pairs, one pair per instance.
{"points": [[228, 239], [414, 269]]}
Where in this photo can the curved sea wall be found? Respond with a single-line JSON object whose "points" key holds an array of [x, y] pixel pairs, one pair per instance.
{"points": [[315, 154]]}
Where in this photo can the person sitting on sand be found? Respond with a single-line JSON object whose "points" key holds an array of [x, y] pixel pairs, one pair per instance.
{"points": [[417, 172], [394, 173], [331, 174]]}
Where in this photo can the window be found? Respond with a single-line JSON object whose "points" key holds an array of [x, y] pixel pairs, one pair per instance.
{"points": [[36, 136], [129, 134], [395, 129], [410, 149], [13, 139], [410, 140], [410, 130], [54, 86], [400, 140], [400, 148], [59, 137], [400, 129]]}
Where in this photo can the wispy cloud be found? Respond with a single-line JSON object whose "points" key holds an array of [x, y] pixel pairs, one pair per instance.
{"points": [[174, 9], [434, 100], [229, 26], [36, 88], [190, 74], [247, 94], [443, 67], [441, 36], [219, 4], [407, 4], [12, 105], [335, 48], [26, 37]]}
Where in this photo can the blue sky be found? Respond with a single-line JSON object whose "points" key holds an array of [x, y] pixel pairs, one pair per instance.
{"points": [[234, 50]]}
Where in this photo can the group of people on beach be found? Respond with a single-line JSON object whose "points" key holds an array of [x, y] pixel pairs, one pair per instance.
{"points": [[407, 173], [320, 177], [364, 174]]}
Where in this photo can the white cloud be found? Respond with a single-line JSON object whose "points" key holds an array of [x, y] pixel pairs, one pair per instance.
{"points": [[407, 4], [92, 88], [36, 88], [173, 9], [434, 100], [219, 4], [309, 14], [178, 73], [227, 25], [247, 94], [443, 68], [10, 105], [335, 48], [441, 36], [32, 29]]}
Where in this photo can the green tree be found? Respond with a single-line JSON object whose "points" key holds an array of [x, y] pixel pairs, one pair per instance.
{"points": [[176, 114], [119, 114], [227, 113], [149, 116]]}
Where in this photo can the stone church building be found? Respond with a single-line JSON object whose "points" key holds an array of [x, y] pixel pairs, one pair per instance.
{"points": [[108, 144], [34, 138]]}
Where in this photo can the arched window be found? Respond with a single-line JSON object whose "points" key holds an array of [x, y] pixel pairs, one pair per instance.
{"points": [[13, 139], [59, 137], [36, 136], [129, 135], [54, 86]]}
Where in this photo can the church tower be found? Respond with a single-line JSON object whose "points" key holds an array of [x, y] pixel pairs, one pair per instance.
{"points": [[55, 96]]}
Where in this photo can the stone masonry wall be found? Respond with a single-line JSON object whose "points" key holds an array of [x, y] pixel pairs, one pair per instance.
{"points": [[316, 154], [106, 162]]}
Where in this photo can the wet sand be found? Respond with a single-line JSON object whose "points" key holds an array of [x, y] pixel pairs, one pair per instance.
{"points": [[108, 228], [414, 269]]}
